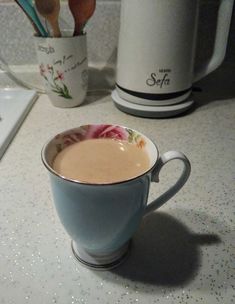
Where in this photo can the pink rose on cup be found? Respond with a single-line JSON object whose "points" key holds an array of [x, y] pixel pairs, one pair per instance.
{"points": [[107, 131]]}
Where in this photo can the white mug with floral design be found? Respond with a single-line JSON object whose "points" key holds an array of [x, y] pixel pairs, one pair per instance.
{"points": [[102, 218], [64, 69]]}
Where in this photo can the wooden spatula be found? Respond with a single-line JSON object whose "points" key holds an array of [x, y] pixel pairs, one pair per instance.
{"points": [[81, 10], [50, 10]]}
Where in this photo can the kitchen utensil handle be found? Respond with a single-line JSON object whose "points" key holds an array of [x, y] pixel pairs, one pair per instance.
{"points": [[165, 158], [55, 28], [221, 39], [30, 12]]}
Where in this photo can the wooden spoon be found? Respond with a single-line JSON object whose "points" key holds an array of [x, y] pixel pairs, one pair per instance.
{"points": [[50, 10], [81, 10]]}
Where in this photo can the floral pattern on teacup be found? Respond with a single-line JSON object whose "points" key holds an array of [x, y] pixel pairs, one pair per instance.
{"points": [[107, 131], [98, 131]]}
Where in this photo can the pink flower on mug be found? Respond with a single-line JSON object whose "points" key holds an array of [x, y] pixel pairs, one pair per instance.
{"points": [[54, 80], [107, 131], [49, 68], [42, 69], [59, 76]]}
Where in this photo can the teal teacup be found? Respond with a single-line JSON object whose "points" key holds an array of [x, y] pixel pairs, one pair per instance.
{"points": [[102, 218]]}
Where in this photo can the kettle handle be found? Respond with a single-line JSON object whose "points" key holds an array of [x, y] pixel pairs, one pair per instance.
{"points": [[221, 39]]}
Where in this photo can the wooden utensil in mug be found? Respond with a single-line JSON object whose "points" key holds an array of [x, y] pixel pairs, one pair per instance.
{"points": [[81, 10], [50, 9]]}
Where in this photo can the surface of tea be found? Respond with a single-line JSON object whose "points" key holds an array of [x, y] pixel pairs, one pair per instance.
{"points": [[101, 161]]}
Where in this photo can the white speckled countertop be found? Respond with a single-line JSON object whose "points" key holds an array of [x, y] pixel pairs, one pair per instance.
{"points": [[181, 254]]}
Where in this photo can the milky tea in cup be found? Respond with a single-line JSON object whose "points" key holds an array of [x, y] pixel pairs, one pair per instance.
{"points": [[102, 160]]}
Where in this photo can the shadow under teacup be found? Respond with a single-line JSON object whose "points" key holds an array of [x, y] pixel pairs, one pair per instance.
{"points": [[63, 66], [101, 218]]}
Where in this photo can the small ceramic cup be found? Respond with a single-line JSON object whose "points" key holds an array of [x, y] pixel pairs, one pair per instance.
{"points": [[102, 218], [64, 69]]}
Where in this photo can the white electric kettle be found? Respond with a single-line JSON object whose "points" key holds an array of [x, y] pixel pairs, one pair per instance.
{"points": [[156, 51]]}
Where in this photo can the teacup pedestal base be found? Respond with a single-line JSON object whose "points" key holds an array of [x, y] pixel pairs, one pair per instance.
{"points": [[101, 262]]}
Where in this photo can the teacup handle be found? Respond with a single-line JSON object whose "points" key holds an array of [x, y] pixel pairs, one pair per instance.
{"points": [[165, 158]]}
